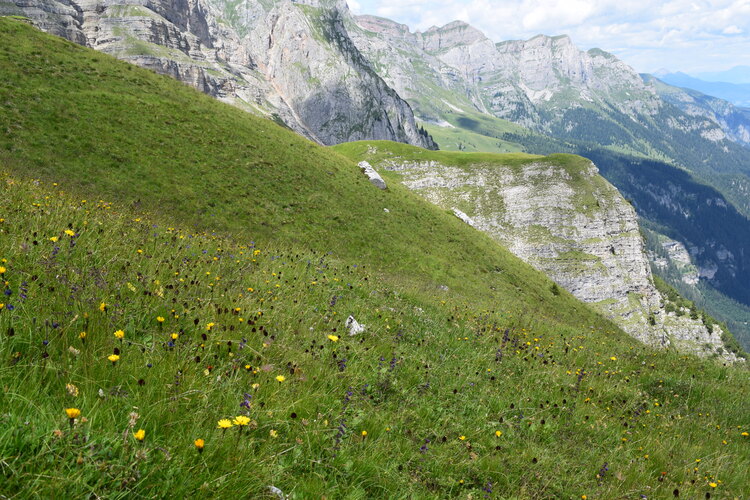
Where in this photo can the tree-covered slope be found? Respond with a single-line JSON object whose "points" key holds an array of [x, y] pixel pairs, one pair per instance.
{"points": [[232, 294]]}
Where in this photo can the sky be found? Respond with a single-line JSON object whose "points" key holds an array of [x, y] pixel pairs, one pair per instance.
{"points": [[692, 36]]}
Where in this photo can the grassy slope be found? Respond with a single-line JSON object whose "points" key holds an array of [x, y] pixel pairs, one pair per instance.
{"points": [[474, 132], [384, 150], [377, 152], [121, 132], [430, 369]]}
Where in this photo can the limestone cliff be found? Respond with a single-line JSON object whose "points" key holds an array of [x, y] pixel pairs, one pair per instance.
{"points": [[559, 215], [546, 83], [292, 61]]}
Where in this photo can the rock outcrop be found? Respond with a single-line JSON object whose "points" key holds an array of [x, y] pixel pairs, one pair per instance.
{"points": [[559, 215], [290, 60], [372, 175]]}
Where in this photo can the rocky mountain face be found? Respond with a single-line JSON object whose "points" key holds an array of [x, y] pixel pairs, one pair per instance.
{"points": [[422, 79], [559, 215], [545, 84], [292, 61], [549, 86]]}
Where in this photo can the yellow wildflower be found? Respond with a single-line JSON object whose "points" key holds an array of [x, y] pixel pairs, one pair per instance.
{"points": [[199, 444], [713, 485], [72, 413], [498, 433], [102, 307], [114, 358], [160, 319], [333, 338], [224, 423], [175, 336], [241, 420], [119, 334], [462, 438], [140, 434], [273, 433], [69, 232], [54, 239], [82, 335], [280, 378]]}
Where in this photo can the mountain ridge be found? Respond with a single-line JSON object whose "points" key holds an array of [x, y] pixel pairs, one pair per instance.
{"points": [[736, 93]]}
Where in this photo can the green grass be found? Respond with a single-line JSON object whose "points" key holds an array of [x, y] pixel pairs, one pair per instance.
{"points": [[379, 151], [254, 246], [458, 139], [488, 164]]}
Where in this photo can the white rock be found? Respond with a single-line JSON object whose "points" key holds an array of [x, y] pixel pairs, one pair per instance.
{"points": [[275, 491], [354, 327], [371, 174], [465, 218]]}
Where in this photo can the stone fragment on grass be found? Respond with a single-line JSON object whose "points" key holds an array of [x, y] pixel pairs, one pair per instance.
{"points": [[465, 218], [353, 326], [371, 174], [277, 492]]}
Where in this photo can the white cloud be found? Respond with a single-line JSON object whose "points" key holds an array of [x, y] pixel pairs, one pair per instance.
{"points": [[732, 30], [686, 35]]}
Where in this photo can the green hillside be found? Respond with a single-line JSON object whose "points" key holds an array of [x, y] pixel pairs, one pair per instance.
{"points": [[116, 131], [229, 253]]}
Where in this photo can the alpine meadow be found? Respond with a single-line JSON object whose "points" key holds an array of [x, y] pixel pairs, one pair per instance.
{"points": [[207, 299]]}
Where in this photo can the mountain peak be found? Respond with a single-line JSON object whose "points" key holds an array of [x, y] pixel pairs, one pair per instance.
{"points": [[328, 4], [382, 25], [450, 26], [552, 38], [453, 34]]}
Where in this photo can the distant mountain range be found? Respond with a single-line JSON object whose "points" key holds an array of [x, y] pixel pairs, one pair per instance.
{"points": [[737, 74], [736, 93]]}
